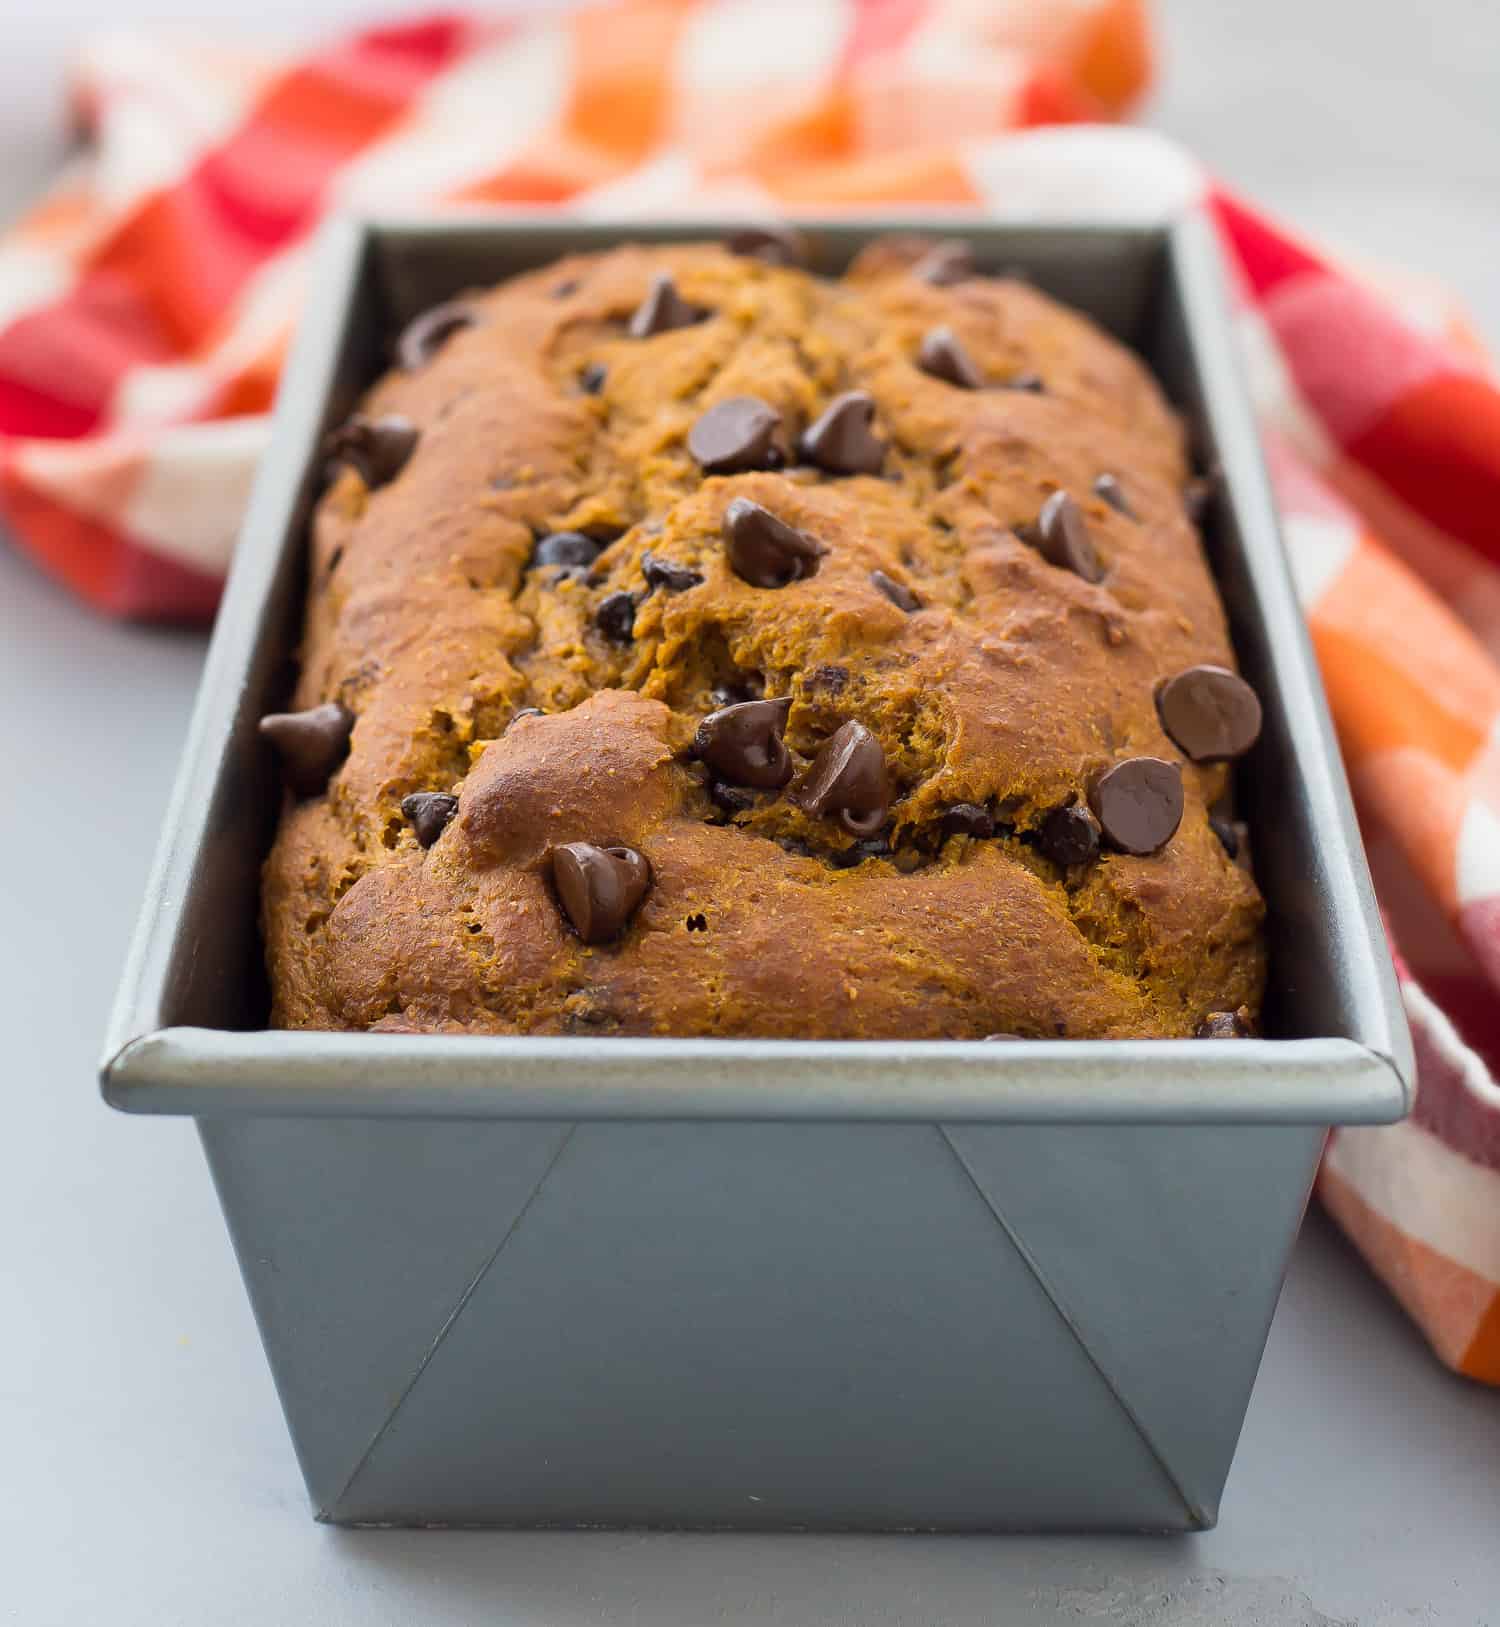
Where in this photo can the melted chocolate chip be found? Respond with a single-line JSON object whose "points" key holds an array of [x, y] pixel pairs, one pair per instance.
{"points": [[743, 744], [848, 778], [764, 551], [841, 439], [662, 310], [1061, 536], [969, 819], [565, 548], [591, 379], [615, 617], [429, 813], [1069, 836], [735, 435], [666, 573], [1031, 383], [834, 679], [526, 711], [948, 261], [1139, 804], [1227, 1025], [1210, 712], [599, 888], [375, 448], [310, 744], [772, 244], [423, 337], [879, 848], [732, 798], [1109, 488], [897, 592], [697, 923], [944, 357]]}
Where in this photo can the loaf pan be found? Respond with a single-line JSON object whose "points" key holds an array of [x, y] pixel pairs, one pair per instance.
{"points": [[760, 1284]]}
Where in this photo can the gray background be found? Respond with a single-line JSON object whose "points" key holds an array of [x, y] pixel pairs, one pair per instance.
{"points": [[147, 1479]]}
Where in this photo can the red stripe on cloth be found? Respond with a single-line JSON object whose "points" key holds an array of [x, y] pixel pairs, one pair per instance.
{"points": [[113, 572], [879, 25], [1266, 256], [161, 284], [1438, 450], [1448, 1107]]}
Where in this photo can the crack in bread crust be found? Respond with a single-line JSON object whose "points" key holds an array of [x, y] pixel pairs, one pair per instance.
{"points": [[1012, 685]]}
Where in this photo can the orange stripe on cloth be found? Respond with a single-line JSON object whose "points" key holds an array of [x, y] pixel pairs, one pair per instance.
{"points": [[936, 176], [1482, 1359], [1111, 57], [618, 109], [1452, 1305], [1401, 669]]}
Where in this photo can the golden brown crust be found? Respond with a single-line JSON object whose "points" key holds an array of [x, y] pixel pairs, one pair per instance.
{"points": [[1014, 686]]}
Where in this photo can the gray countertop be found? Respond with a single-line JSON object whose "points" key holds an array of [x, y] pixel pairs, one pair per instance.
{"points": [[148, 1477]]}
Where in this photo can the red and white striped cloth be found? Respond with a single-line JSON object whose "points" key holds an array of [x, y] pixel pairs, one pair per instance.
{"points": [[145, 305]]}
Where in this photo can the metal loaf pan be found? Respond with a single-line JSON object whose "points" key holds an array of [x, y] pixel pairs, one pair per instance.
{"points": [[755, 1284]]}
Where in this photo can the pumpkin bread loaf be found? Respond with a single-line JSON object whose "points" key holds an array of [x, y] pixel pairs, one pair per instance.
{"points": [[698, 646]]}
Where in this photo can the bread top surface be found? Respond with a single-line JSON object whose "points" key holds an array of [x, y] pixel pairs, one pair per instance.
{"points": [[1012, 687]]}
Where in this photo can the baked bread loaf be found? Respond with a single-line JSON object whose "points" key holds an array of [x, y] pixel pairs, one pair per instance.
{"points": [[697, 646]]}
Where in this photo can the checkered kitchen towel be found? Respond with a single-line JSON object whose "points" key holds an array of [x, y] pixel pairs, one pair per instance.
{"points": [[145, 303]]}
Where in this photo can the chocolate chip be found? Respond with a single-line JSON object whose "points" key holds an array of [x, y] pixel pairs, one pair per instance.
{"points": [[1069, 835], [615, 617], [1227, 1025], [565, 548], [423, 337], [1032, 383], [1233, 834], [1210, 712], [1113, 493], [599, 888], [859, 852], [743, 744], [764, 551], [941, 355], [841, 440], [897, 592], [591, 379], [375, 448], [969, 819], [773, 245], [1061, 535], [1139, 804], [749, 689], [310, 744], [526, 711], [732, 798], [662, 310], [429, 813], [735, 435], [698, 922], [666, 573], [848, 778], [948, 261]]}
